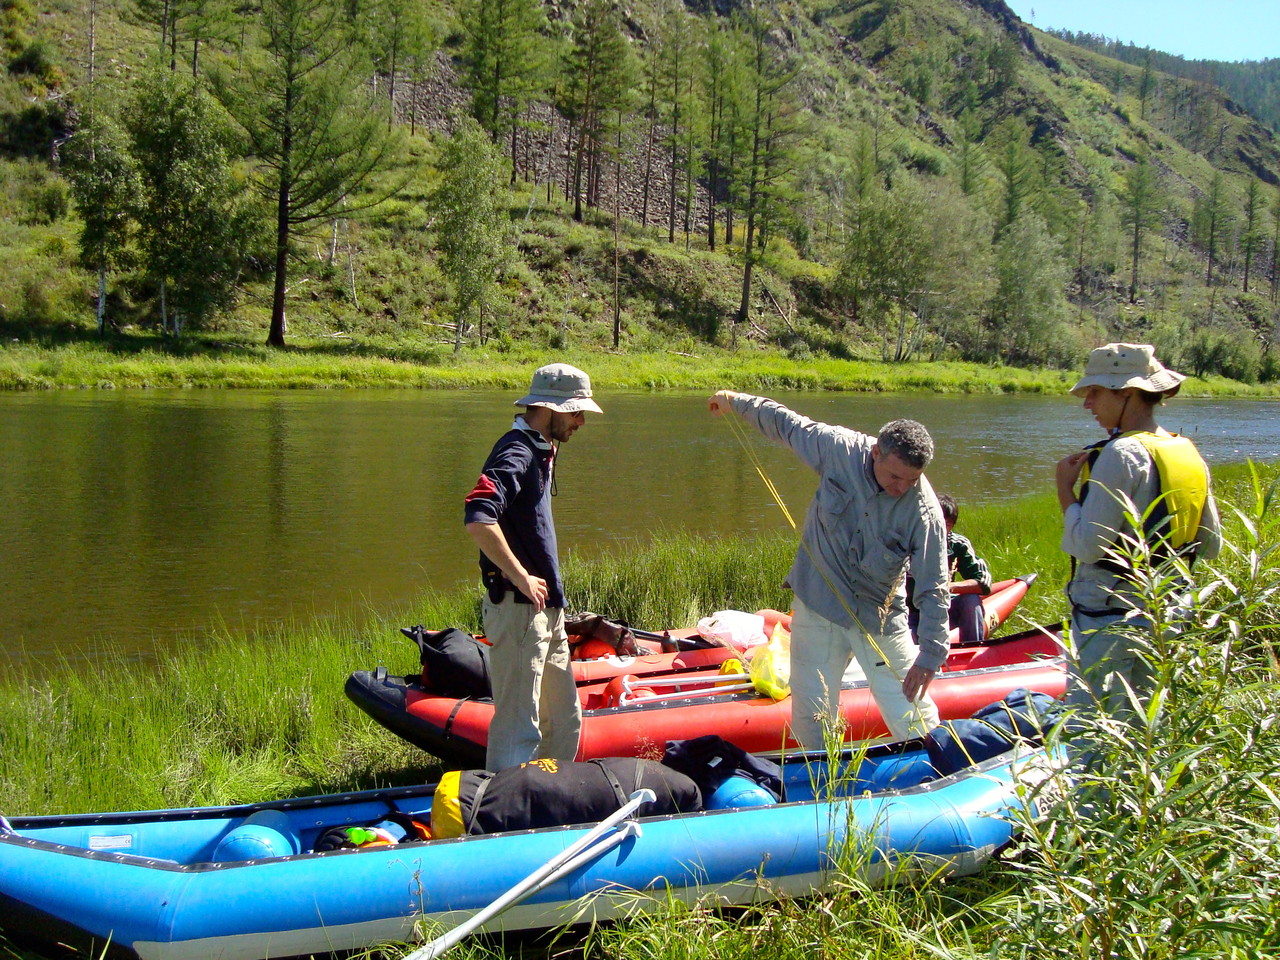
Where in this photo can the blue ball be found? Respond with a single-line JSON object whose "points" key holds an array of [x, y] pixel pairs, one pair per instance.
{"points": [[739, 792]]}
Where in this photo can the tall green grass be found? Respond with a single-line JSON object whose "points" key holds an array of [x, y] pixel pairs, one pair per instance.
{"points": [[1167, 846]]}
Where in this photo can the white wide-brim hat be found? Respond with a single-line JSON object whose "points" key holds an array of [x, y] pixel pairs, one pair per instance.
{"points": [[1120, 365], [562, 387]]}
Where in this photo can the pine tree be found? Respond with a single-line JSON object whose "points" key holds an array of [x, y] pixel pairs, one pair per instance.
{"points": [[651, 84], [1251, 238], [769, 128], [1275, 247], [187, 24], [1016, 166], [506, 56], [1141, 201], [675, 52], [1209, 222], [1146, 86], [724, 96], [598, 69], [971, 165], [420, 62], [1003, 61], [403, 39], [316, 132]]}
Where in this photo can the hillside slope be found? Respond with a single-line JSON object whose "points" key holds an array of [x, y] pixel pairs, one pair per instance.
{"points": [[1003, 158]]}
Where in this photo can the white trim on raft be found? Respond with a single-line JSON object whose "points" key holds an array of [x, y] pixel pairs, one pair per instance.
{"points": [[596, 907]]}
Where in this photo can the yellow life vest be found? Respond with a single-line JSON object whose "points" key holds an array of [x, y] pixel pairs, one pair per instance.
{"points": [[1184, 485]]}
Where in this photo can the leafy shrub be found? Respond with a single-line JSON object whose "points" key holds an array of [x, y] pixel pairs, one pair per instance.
{"points": [[1257, 310], [37, 62], [45, 201], [58, 248], [1228, 351], [1269, 368], [33, 130], [920, 157], [15, 16]]}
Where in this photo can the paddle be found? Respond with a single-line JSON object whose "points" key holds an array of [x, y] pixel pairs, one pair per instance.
{"points": [[573, 856], [687, 643], [669, 643]]}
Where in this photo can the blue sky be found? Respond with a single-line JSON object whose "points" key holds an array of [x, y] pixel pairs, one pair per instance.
{"points": [[1195, 29]]}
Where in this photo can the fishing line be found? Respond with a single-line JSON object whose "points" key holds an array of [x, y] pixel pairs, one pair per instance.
{"points": [[739, 430]]}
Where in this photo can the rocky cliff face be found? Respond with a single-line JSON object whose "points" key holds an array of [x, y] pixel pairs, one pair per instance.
{"points": [[544, 153]]}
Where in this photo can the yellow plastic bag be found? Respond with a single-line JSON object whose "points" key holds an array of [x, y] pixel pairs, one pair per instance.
{"points": [[771, 665]]}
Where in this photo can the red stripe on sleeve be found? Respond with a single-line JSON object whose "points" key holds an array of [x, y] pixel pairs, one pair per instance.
{"points": [[485, 489]]}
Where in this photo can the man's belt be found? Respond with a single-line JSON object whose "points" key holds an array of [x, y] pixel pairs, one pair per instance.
{"points": [[496, 585]]}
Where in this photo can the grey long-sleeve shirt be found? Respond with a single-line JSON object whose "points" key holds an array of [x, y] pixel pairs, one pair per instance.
{"points": [[857, 539], [1124, 469]]}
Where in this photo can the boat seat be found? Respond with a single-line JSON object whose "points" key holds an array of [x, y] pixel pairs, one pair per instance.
{"points": [[261, 835]]}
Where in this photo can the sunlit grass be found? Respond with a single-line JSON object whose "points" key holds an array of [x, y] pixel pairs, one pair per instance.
{"points": [[227, 361]]}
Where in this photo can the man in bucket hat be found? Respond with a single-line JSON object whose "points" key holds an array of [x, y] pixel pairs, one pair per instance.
{"points": [[1137, 466], [536, 714]]}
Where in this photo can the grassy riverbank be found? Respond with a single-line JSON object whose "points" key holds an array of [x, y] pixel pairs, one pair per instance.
{"points": [[234, 717], [1189, 841], [144, 361]]}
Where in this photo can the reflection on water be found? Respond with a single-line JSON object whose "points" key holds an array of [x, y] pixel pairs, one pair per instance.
{"points": [[135, 519]]}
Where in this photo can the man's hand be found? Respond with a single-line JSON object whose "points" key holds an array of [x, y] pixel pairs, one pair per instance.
{"points": [[535, 588], [719, 404], [490, 539], [916, 683]]}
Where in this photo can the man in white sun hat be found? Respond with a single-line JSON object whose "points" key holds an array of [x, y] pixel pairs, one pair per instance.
{"points": [[536, 714], [1139, 464]]}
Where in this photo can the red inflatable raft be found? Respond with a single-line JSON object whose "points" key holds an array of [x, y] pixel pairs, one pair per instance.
{"points": [[633, 711], [697, 654]]}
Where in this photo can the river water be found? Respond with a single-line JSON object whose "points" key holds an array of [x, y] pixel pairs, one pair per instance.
{"points": [[134, 520]]}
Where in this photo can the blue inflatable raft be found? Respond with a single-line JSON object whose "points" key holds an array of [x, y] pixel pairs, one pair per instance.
{"points": [[242, 882]]}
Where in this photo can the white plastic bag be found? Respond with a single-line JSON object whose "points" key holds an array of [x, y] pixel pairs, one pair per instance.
{"points": [[733, 628]]}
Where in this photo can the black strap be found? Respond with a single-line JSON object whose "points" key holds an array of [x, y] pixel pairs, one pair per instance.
{"points": [[618, 794], [1104, 612], [475, 804], [448, 724]]}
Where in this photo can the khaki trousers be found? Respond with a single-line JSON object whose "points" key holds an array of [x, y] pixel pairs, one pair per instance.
{"points": [[536, 713], [820, 652]]}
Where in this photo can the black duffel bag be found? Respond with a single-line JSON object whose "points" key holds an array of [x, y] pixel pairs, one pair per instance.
{"points": [[454, 663], [548, 793]]}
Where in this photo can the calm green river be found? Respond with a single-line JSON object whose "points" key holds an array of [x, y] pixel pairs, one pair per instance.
{"points": [[133, 521]]}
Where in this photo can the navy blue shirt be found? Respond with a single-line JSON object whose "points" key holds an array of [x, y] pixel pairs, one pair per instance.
{"points": [[514, 491]]}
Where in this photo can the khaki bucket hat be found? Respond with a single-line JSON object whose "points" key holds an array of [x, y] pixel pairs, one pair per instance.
{"points": [[562, 387], [1120, 365]]}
